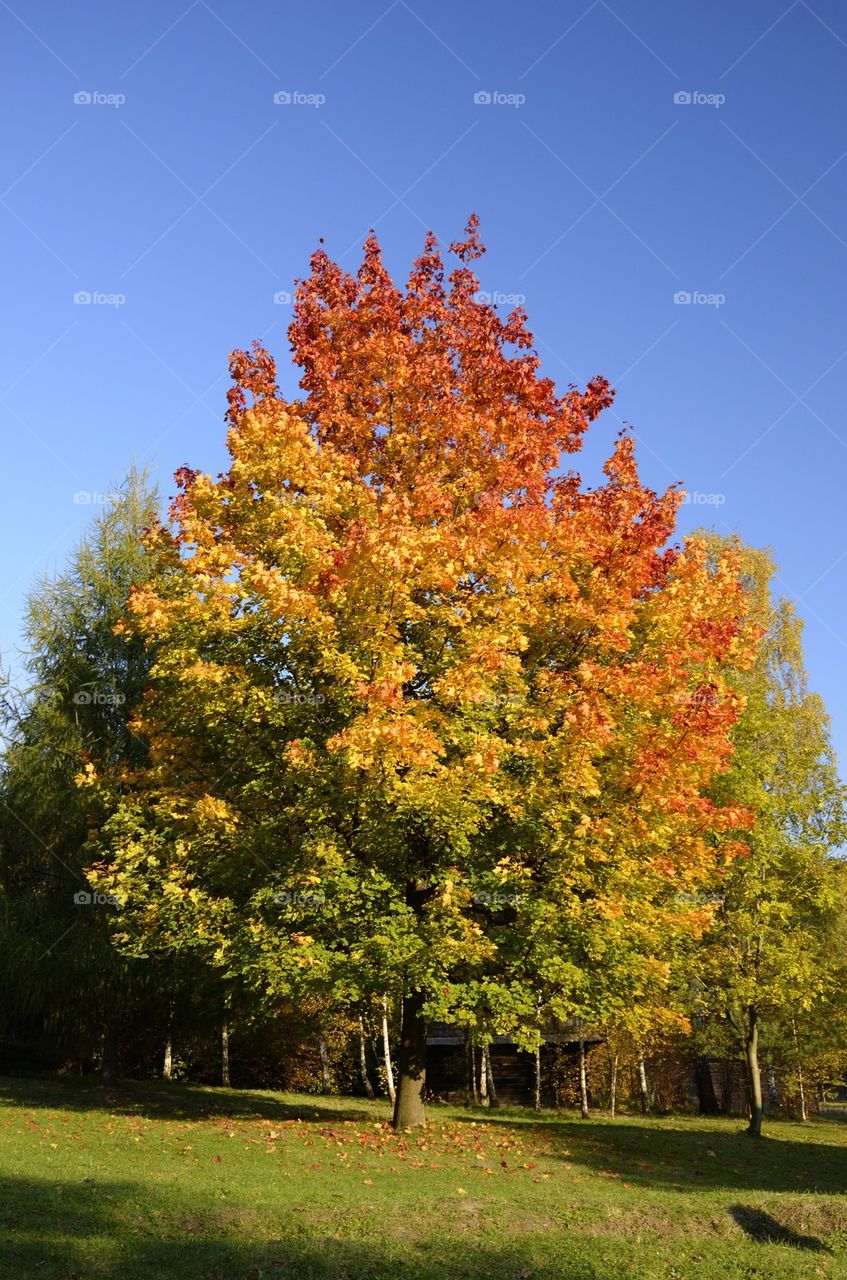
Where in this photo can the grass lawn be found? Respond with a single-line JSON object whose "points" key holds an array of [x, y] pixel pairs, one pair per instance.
{"points": [[169, 1182]]}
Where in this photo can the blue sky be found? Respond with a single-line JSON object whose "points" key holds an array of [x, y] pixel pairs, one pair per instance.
{"points": [[619, 154]]}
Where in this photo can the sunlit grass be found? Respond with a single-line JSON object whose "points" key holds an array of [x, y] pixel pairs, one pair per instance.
{"points": [[175, 1182]]}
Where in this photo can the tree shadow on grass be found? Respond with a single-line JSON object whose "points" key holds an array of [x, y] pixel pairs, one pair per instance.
{"points": [[159, 1100], [689, 1155], [83, 1231], [760, 1226]]}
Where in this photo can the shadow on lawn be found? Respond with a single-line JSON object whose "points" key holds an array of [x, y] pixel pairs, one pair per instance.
{"points": [[72, 1231], [762, 1227], [690, 1155], [158, 1100]]}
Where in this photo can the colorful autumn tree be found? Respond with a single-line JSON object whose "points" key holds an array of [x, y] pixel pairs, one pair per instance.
{"points": [[403, 664]]}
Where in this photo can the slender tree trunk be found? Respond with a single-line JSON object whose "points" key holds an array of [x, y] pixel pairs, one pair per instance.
{"points": [[483, 1074], [409, 1111], [470, 1079], [386, 1050], [642, 1084], [537, 1099], [613, 1083], [754, 1077], [583, 1080], [168, 1061], [225, 1081], [489, 1077], [804, 1118], [326, 1082], [363, 1060]]}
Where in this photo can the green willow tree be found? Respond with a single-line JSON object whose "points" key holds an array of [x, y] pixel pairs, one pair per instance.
{"points": [[767, 954]]}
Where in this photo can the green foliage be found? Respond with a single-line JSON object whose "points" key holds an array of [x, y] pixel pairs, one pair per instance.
{"points": [[775, 947]]}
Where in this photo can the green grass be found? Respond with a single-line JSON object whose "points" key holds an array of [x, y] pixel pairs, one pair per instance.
{"points": [[169, 1182]]}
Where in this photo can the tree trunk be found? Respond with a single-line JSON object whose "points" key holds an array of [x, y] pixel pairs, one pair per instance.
{"points": [[804, 1117], [109, 1067], [225, 1055], [386, 1050], [489, 1076], [470, 1078], [483, 1074], [754, 1078], [409, 1111], [583, 1080], [363, 1060], [642, 1084], [537, 1098], [168, 1062], [707, 1099], [326, 1082], [613, 1083]]}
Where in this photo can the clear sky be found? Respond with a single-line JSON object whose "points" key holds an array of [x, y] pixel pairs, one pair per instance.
{"points": [[619, 154]]}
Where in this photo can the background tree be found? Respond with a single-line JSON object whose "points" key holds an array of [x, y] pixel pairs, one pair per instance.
{"points": [[63, 981], [768, 955]]}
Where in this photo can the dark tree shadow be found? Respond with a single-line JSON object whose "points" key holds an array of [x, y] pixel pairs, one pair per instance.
{"points": [[760, 1226], [689, 1154], [156, 1099]]}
